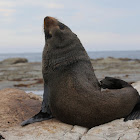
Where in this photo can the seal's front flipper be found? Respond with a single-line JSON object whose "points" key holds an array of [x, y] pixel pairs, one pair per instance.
{"points": [[37, 118], [1, 137], [135, 114]]}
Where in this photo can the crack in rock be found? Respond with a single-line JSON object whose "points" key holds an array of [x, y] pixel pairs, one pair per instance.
{"points": [[75, 133]]}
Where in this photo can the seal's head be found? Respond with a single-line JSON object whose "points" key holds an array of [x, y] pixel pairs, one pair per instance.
{"points": [[56, 33], [51, 25]]}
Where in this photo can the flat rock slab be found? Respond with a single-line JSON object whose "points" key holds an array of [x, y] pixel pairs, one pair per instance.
{"points": [[16, 106], [55, 130], [115, 130], [11, 61], [136, 85]]}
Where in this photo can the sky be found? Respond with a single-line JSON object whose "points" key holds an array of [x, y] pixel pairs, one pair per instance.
{"points": [[101, 25]]}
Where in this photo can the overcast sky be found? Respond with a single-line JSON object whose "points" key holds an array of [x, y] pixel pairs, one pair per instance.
{"points": [[100, 24]]}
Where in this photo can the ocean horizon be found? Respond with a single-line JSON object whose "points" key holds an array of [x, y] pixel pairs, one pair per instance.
{"points": [[37, 57]]}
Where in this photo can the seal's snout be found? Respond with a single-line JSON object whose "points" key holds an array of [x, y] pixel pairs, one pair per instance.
{"points": [[49, 22]]}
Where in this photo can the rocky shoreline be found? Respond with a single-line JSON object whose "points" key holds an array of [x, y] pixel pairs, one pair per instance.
{"points": [[16, 105], [21, 74]]}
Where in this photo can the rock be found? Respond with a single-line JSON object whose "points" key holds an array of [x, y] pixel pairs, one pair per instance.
{"points": [[16, 106], [109, 60], [115, 130], [136, 85], [14, 61]]}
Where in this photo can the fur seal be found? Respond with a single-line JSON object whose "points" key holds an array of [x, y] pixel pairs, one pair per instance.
{"points": [[72, 93]]}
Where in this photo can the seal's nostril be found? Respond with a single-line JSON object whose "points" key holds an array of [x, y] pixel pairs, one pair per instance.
{"points": [[46, 18]]}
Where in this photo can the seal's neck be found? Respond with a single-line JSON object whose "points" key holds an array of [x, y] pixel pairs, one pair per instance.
{"points": [[66, 56]]}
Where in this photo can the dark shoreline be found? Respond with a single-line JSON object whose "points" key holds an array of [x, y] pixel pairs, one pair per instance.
{"points": [[37, 56], [28, 76]]}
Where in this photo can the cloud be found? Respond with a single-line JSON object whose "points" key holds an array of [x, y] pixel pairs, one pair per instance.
{"points": [[96, 14], [96, 24], [6, 4], [91, 38], [7, 12], [7, 9], [40, 3], [54, 6], [13, 39]]}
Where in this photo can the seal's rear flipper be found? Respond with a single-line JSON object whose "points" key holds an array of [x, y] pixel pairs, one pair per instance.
{"points": [[37, 118], [135, 114], [113, 83]]}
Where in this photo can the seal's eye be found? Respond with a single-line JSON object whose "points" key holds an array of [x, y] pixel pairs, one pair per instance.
{"points": [[49, 36], [61, 26]]}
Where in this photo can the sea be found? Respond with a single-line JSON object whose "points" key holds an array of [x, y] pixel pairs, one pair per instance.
{"points": [[37, 57]]}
